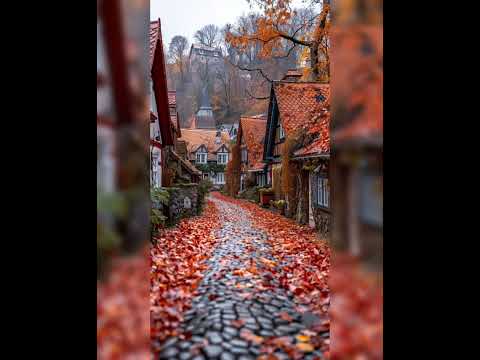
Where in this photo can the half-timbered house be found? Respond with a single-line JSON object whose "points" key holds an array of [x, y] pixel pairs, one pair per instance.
{"points": [[300, 111]]}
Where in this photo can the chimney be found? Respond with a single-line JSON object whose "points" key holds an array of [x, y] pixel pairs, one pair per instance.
{"points": [[292, 75]]}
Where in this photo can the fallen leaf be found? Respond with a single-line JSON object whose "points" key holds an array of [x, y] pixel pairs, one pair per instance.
{"points": [[305, 347]]}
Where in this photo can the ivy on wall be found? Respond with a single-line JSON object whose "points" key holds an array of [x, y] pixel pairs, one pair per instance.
{"points": [[211, 167]]}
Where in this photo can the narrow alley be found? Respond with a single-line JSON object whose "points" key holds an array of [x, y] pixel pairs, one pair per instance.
{"points": [[240, 309]]}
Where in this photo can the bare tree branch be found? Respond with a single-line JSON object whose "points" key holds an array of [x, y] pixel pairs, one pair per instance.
{"points": [[257, 97], [256, 69]]}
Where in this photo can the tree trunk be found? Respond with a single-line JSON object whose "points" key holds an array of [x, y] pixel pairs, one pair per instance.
{"points": [[314, 74]]}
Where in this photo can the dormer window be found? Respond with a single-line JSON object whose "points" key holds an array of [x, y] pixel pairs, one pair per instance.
{"points": [[222, 158], [201, 157]]}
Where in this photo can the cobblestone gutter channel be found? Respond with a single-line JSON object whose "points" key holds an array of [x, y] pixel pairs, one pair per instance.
{"points": [[238, 296]]}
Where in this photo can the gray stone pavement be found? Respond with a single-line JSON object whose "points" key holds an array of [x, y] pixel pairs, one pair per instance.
{"points": [[233, 303]]}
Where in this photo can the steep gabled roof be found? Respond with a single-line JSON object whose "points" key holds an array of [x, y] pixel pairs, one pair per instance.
{"points": [[154, 38], [198, 137], [321, 142], [298, 103], [186, 164], [159, 79]]}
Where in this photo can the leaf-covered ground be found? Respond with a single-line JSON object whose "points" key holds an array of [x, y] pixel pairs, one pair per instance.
{"points": [[356, 312], [178, 262], [242, 282], [123, 321]]}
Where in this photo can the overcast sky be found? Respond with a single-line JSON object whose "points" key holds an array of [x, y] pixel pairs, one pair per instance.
{"points": [[184, 17]]}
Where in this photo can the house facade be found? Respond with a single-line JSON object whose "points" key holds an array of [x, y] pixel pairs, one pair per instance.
{"points": [[250, 139], [204, 59], [166, 165], [298, 130], [162, 132], [357, 143], [208, 151]]}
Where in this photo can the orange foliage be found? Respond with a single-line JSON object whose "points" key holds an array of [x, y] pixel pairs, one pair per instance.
{"points": [[232, 172], [270, 35]]}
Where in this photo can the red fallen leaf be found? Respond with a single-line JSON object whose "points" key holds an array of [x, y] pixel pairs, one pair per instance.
{"points": [[238, 323], [285, 316], [249, 336], [177, 267], [282, 341]]}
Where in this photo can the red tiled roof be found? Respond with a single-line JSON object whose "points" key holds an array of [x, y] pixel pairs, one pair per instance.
{"points": [[357, 61], [195, 138], [187, 165], [252, 129], [157, 67], [321, 143], [154, 36], [300, 102]]}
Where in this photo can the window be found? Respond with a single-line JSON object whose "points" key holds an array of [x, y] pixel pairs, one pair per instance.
{"points": [[244, 155], [201, 158], [321, 191], [261, 179], [222, 158], [371, 199], [220, 178], [281, 132]]}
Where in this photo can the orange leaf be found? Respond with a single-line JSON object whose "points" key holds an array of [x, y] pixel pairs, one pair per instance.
{"points": [[305, 347]]}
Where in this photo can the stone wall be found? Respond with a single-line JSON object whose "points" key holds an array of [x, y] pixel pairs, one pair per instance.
{"points": [[183, 202]]}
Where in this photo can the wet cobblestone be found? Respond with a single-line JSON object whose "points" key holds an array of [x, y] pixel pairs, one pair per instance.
{"points": [[230, 301]]}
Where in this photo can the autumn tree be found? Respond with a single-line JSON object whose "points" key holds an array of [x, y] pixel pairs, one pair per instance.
{"points": [[232, 172], [177, 55], [276, 27]]}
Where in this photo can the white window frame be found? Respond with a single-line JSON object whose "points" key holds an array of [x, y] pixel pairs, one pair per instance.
{"points": [[222, 158], [220, 179], [244, 155], [323, 192], [201, 157]]}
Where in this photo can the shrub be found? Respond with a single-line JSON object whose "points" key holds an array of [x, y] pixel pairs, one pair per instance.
{"points": [[251, 193], [110, 207], [160, 199], [204, 187], [266, 190], [290, 170], [279, 204]]}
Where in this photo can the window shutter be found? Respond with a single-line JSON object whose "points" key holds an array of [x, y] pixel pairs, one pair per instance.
{"points": [[314, 190]]}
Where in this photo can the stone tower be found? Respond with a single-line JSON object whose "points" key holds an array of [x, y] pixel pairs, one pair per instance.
{"points": [[204, 116]]}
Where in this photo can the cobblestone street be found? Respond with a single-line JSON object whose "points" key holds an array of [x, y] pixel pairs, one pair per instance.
{"points": [[239, 304]]}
